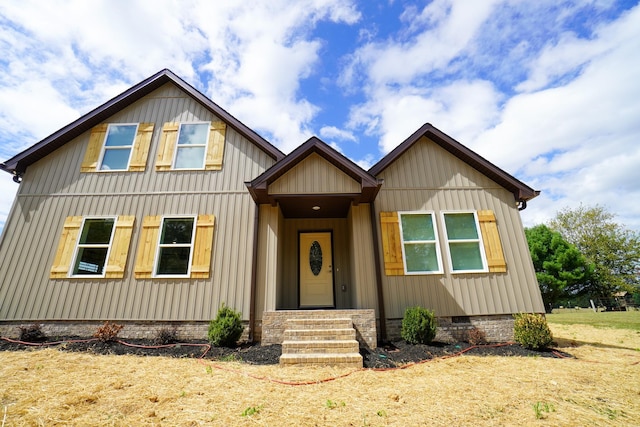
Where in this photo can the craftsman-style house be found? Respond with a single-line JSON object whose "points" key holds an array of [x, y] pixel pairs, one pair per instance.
{"points": [[159, 206]]}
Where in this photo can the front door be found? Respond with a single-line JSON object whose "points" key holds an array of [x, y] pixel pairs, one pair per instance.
{"points": [[316, 270]]}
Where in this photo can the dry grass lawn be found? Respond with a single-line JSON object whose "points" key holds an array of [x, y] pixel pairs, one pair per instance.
{"points": [[601, 386]]}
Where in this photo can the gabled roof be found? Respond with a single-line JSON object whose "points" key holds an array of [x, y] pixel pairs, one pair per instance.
{"points": [[19, 163], [520, 190], [259, 186]]}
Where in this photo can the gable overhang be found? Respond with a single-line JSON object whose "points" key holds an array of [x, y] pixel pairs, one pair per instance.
{"points": [[521, 192], [331, 205], [19, 163]]}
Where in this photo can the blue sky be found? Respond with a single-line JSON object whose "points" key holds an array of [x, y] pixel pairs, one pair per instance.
{"points": [[547, 90]]}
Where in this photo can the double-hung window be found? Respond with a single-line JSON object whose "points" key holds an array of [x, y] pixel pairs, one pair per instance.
{"points": [[420, 248], [464, 244], [118, 144], [92, 248], [191, 146], [175, 247]]}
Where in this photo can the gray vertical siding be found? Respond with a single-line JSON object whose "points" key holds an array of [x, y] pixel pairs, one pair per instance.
{"points": [[362, 258], [314, 175], [427, 177], [54, 188]]}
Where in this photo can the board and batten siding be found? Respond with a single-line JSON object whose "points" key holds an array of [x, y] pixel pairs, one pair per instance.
{"points": [[314, 175], [53, 188], [427, 177], [362, 257]]}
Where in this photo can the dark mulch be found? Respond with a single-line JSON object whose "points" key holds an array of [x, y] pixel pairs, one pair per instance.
{"points": [[387, 355]]}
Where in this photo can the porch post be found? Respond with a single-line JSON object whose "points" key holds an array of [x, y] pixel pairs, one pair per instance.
{"points": [[376, 249]]}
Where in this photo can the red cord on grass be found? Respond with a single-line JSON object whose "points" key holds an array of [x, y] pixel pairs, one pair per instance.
{"points": [[283, 382]]}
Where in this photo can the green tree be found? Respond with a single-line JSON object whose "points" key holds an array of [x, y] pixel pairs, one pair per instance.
{"points": [[613, 249], [560, 267]]}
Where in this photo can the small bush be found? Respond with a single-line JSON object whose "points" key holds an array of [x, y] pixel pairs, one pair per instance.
{"points": [[531, 331], [418, 325], [226, 329], [108, 331], [32, 333], [166, 336], [476, 336]]}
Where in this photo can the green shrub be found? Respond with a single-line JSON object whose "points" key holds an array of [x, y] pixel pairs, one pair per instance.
{"points": [[531, 331], [418, 325], [226, 329]]}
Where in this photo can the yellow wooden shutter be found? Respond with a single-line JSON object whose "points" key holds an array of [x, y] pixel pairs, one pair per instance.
{"points": [[391, 244], [167, 147], [147, 247], [91, 156], [66, 246], [215, 150], [491, 239], [201, 260], [141, 147], [120, 247]]}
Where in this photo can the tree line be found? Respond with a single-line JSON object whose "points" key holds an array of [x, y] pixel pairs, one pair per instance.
{"points": [[582, 254]]}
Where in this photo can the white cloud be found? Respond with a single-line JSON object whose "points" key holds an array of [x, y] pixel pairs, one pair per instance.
{"points": [[434, 38], [577, 141], [332, 132], [62, 59], [460, 110], [558, 108]]}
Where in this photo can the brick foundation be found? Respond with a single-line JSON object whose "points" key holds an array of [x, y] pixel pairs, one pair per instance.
{"points": [[131, 330], [271, 330], [497, 328]]}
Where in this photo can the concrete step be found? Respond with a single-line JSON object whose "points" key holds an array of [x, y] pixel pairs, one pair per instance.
{"points": [[346, 360], [320, 346], [319, 323], [319, 334]]}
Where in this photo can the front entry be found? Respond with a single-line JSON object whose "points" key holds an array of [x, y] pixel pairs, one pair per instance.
{"points": [[316, 270]]}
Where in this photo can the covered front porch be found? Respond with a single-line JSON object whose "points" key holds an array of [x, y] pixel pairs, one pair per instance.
{"points": [[315, 250]]}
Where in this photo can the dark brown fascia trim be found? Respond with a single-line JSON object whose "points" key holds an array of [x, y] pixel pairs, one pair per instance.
{"points": [[520, 190], [370, 185], [21, 161]]}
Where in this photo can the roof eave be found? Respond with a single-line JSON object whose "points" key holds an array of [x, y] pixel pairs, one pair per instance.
{"points": [[520, 190], [18, 163]]}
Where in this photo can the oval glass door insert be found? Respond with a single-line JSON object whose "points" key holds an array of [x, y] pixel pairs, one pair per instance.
{"points": [[315, 258]]}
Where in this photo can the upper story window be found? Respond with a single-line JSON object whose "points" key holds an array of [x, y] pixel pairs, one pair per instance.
{"points": [[466, 253], [420, 243], [191, 146], [118, 145]]}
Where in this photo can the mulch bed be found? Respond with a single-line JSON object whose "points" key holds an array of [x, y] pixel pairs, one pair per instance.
{"points": [[387, 355]]}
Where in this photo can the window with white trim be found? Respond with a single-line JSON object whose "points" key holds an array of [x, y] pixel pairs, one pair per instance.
{"points": [[175, 247], [464, 244], [117, 147], [92, 248], [420, 249], [191, 146]]}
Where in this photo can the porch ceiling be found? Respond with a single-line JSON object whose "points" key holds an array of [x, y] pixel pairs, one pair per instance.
{"points": [[330, 206]]}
